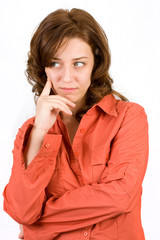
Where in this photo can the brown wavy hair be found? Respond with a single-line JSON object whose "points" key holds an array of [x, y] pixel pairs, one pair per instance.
{"points": [[51, 32]]}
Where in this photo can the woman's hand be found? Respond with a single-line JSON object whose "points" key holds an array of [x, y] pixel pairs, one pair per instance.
{"points": [[49, 106], [21, 235]]}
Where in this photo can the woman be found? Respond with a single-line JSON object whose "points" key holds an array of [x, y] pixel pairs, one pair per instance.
{"points": [[80, 162]]}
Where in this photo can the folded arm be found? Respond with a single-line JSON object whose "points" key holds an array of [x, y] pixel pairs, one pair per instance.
{"points": [[117, 192]]}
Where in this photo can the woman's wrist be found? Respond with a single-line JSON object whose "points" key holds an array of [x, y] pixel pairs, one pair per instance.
{"points": [[39, 128]]}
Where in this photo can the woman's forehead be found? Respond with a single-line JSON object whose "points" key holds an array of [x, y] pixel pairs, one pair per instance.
{"points": [[75, 47]]}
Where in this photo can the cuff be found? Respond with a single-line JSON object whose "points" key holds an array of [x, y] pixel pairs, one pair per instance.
{"points": [[46, 155]]}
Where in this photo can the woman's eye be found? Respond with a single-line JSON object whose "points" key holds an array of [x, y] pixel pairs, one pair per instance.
{"points": [[55, 64], [78, 64]]}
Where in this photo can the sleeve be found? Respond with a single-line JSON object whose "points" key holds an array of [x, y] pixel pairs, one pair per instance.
{"points": [[120, 186], [24, 195]]}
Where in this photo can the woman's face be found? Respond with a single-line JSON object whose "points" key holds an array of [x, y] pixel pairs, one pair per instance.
{"points": [[71, 69]]}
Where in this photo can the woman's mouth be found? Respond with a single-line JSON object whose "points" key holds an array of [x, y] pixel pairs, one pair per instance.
{"points": [[68, 90]]}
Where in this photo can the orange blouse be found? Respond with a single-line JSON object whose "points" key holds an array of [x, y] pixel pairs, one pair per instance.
{"points": [[90, 190]]}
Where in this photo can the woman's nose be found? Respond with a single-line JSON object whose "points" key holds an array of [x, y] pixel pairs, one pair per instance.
{"points": [[67, 74]]}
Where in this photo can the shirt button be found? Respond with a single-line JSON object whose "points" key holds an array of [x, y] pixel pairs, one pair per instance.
{"points": [[85, 234], [82, 130], [47, 145], [76, 154]]}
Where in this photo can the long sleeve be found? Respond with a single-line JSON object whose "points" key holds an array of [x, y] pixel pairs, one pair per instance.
{"points": [[24, 195], [118, 190]]}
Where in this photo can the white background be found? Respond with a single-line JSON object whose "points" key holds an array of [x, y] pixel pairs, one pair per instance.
{"points": [[133, 30]]}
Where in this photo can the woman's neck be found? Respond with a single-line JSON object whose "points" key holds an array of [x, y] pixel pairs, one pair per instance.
{"points": [[71, 118]]}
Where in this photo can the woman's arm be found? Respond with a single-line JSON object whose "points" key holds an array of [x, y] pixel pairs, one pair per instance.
{"points": [[47, 110], [24, 195], [34, 159], [34, 143]]}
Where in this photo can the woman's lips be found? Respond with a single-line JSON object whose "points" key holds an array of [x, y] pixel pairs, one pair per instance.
{"points": [[68, 89]]}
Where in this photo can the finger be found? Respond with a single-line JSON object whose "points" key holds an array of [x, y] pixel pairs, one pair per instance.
{"points": [[21, 227], [58, 101], [62, 108], [21, 235], [63, 99], [47, 88]]}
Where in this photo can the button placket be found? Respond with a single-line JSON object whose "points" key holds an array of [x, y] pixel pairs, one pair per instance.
{"points": [[82, 130], [76, 154], [47, 145], [85, 234]]}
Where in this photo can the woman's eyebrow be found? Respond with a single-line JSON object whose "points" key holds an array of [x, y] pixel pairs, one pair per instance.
{"points": [[78, 58], [55, 58]]}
